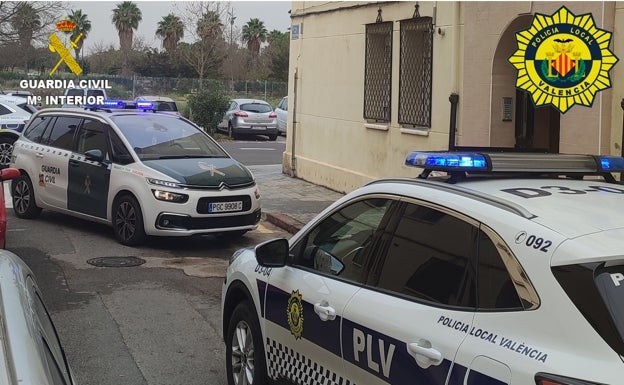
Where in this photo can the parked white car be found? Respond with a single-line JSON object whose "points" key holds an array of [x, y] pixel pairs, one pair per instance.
{"points": [[30, 351], [282, 115], [14, 113]]}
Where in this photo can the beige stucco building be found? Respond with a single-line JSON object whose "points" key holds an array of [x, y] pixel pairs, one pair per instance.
{"points": [[361, 97]]}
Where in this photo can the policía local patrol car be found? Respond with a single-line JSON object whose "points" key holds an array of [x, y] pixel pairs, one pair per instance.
{"points": [[509, 270], [143, 172]]}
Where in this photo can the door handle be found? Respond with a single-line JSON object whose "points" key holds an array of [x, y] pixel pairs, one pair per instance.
{"points": [[38, 155], [424, 354], [324, 311]]}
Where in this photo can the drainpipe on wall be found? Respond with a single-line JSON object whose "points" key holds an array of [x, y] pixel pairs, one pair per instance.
{"points": [[622, 141], [454, 99], [293, 135]]}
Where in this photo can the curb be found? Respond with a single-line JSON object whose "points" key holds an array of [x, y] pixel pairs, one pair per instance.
{"points": [[284, 221]]}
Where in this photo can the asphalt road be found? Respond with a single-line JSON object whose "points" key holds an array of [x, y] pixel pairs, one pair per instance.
{"points": [[256, 151], [157, 323]]}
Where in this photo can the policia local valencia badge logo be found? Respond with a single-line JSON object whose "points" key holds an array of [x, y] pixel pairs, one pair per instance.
{"points": [[294, 314], [563, 59]]}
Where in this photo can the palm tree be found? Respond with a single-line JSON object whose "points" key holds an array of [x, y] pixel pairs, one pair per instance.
{"points": [[83, 26], [126, 18], [25, 21], [209, 27], [254, 33], [171, 31]]}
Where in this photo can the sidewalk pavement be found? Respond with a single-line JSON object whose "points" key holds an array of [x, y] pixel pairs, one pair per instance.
{"points": [[288, 202]]}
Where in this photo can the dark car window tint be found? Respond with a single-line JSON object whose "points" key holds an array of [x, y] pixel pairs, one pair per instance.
{"points": [[338, 245], [495, 287], [75, 92], [4, 110], [95, 93], [431, 257], [36, 130], [120, 153], [92, 136], [166, 106], [62, 134], [256, 107]]}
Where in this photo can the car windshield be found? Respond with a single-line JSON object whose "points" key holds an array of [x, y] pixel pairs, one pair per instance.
{"points": [[160, 136], [167, 106], [256, 107]]}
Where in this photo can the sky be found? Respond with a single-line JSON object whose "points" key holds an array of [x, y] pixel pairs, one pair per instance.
{"points": [[274, 14]]}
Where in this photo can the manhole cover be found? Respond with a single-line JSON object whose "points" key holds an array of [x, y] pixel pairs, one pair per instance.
{"points": [[116, 261]]}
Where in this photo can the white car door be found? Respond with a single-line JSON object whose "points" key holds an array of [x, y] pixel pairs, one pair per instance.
{"points": [[407, 325], [305, 300]]}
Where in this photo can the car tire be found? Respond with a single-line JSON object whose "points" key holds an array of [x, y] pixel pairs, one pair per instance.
{"points": [[231, 133], [272, 138], [244, 350], [128, 221], [6, 150], [24, 205]]}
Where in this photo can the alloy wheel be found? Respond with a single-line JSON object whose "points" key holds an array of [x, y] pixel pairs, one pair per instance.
{"points": [[22, 196], [6, 149], [243, 355], [125, 220]]}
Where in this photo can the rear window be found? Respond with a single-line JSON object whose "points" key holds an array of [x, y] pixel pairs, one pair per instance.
{"points": [[597, 292], [256, 107]]}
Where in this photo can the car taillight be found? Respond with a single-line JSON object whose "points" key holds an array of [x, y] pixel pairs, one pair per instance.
{"points": [[552, 379], [273, 115], [241, 114]]}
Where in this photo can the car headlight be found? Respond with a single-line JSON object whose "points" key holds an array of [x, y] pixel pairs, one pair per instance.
{"points": [[169, 196], [164, 183]]}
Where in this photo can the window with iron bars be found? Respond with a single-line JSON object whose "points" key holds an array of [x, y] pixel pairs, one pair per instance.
{"points": [[378, 72], [415, 72]]}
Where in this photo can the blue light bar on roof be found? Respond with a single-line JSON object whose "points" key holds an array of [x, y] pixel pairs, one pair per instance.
{"points": [[611, 163], [447, 161], [114, 104], [144, 105]]}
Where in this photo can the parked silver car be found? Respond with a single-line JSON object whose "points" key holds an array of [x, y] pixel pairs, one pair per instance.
{"points": [[282, 115], [30, 350], [249, 116]]}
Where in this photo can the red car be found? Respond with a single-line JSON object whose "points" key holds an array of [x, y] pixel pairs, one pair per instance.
{"points": [[5, 174]]}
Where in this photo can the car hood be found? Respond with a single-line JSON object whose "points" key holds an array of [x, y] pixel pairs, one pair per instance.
{"points": [[204, 172]]}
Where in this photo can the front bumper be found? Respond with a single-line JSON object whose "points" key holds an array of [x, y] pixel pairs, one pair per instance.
{"points": [[186, 224]]}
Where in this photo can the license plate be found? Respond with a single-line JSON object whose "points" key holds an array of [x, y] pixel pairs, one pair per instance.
{"points": [[224, 207], [257, 127]]}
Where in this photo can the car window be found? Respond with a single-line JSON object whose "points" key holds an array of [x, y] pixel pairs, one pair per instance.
{"points": [[36, 130], [285, 104], [27, 108], [120, 153], [233, 106], [338, 245], [431, 257], [63, 130], [95, 93], [496, 289], [256, 107], [4, 110], [75, 92], [159, 136], [92, 136], [166, 106]]}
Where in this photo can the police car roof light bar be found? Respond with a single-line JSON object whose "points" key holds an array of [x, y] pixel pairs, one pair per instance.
{"points": [[107, 104], [144, 105], [510, 162]]}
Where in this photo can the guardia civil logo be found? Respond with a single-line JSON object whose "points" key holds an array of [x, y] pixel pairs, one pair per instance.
{"points": [[563, 59]]}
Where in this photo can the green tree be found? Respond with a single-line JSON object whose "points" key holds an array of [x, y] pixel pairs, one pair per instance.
{"points": [[83, 26], [254, 33], [208, 106], [25, 21], [126, 18], [210, 27], [171, 31], [278, 54]]}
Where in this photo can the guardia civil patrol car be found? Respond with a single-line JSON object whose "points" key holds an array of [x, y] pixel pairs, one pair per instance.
{"points": [[501, 269], [140, 171]]}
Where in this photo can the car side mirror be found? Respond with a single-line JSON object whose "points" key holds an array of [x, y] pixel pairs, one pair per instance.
{"points": [[9, 173], [273, 253], [94, 155]]}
